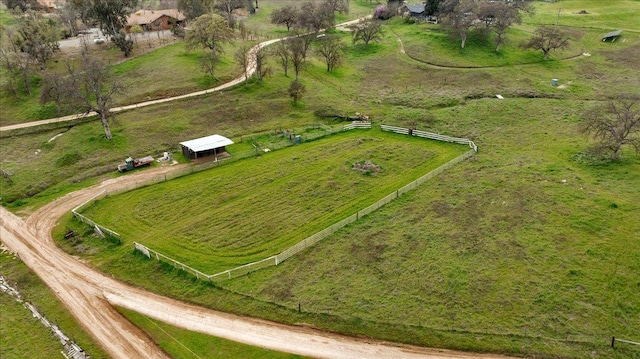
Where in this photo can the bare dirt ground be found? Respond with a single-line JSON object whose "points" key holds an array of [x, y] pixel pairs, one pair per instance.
{"points": [[89, 295]]}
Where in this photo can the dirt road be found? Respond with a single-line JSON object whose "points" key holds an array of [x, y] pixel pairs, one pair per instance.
{"points": [[89, 296], [251, 69]]}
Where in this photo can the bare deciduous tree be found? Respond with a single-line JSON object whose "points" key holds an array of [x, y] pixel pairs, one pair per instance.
{"points": [[262, 69], [282, 54], [88, 89], [341, 6], [54, 88], [367, 30], [243, 60], [332, 49], [226, 8], [296, 90], [315, 17], [458, 16], [18, 66], [286, 15], [547, 39], [614, 124], [297, 47]]}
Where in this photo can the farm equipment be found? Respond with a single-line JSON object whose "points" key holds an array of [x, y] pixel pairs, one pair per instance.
{"points": [[130, 163]]}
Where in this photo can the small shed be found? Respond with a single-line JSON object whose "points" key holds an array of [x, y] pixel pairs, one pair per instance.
{"points": [[613, 35], [213, 145]]}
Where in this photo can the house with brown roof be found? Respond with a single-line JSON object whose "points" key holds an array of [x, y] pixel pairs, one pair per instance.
{"points": [[153, 20]]}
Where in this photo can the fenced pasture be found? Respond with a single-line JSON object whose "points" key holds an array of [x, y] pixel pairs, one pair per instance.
{"points": [[249, 210]]}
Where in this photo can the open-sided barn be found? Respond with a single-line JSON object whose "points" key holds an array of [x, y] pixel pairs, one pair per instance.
{"points": [[213, 145]]}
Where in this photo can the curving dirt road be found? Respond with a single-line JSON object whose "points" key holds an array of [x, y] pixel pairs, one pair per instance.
{"points": [[251, 69], [89, 296]]}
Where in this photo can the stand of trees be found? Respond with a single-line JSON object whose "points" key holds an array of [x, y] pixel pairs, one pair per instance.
{"points": [[111, 15], [28, 46], [89, 88], [310, 16], [193, 9], [460, 16]]}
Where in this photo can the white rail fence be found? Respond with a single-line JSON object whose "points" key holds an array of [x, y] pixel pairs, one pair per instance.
{"points": [[357, 124], [430, 135], [305, 243], [97, 227]]}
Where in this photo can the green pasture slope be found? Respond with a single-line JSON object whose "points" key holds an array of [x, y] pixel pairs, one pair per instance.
{"points": [[21, 335], [255, 208], [495, 255]]}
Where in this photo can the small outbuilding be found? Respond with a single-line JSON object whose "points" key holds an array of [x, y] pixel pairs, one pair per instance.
{"points": [[213, 145], [613, 36]]}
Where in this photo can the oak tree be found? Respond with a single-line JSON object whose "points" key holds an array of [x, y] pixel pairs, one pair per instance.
{"points": [[332, 49], [367, 30], [37, 36], [458, 16], [547, 39], [614, 124], [286, 15], [112, 17], [209, 31]]}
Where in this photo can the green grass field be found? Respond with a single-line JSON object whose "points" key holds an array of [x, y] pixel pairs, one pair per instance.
{"points": [[495, 255], [255, 208]]}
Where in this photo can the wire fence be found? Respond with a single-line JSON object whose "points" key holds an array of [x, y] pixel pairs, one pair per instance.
{"points": [[305, 243]]}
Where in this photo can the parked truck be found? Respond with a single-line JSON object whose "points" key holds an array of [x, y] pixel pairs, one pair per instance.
{"points": [[130, 163]]}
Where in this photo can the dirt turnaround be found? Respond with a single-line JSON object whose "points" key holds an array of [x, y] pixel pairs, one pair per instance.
{"points": [[89, 295]]}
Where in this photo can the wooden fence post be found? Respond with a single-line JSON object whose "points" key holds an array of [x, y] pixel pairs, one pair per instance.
{"points": [[613, 342]]}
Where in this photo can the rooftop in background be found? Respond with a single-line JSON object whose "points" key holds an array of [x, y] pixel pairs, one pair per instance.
{"points": [[143, 17], [416, 9]]}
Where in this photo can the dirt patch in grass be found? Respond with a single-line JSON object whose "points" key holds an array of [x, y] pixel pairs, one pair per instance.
{"points": [[366, 167], [627, 57]]}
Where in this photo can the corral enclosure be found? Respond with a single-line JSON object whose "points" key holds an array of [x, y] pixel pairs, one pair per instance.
{"points": [[251, 209]]}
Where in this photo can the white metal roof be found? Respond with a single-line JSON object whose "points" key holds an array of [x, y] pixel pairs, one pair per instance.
{"points": [[207, 143]]}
